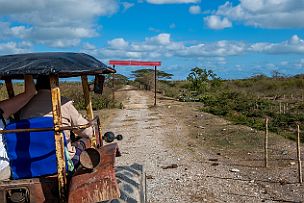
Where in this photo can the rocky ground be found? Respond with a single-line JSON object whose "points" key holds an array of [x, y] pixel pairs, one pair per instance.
{"points": [[191, 156]]}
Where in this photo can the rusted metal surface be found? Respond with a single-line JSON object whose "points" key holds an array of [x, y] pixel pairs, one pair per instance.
{"points": [[39, 189], [56, 108], [98, 184], [89, 158]]}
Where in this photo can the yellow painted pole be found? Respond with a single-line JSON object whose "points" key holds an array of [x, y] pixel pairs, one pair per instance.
{"points": [[56, 108], [88, 103]]}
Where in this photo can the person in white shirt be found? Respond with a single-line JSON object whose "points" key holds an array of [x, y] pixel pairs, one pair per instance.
{"points": [[7, 108]]}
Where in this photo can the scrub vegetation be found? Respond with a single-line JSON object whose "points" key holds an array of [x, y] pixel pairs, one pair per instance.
{"points": [[246, 101]]}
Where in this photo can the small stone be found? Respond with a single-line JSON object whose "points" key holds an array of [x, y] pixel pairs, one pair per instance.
{"points": [[235, 170], [224, 129], [292, 163], [169, 166], [284, 152]]}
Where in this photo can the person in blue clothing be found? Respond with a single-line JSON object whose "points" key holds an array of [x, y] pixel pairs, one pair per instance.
{"points": [[7, 108]]}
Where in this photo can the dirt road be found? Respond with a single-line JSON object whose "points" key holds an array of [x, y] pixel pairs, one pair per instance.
{"points": [[178, 169]]}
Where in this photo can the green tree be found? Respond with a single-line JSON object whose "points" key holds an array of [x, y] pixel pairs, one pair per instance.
{"points": [[201, 79], [145, 77]]}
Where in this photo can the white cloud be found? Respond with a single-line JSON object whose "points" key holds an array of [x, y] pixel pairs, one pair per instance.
{"points": [[195, 9], [217, 23], [300, 63], [53, 22], [266, 13], [217, 49], [162, 39], [89, 46], [295, 45], [163, 46], [118, 43], [127, 5], [172, 1], [14, 48]]}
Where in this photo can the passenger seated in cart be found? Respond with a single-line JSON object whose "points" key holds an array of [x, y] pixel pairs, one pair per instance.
{"points": [[41, 105], [7, 108]]}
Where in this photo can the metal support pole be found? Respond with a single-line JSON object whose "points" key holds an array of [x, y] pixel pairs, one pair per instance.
{"points": [[113, 85], [59, 143], [155, 76]]}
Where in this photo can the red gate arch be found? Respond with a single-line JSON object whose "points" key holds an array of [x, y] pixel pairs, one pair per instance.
{"points": [[138, 63]]}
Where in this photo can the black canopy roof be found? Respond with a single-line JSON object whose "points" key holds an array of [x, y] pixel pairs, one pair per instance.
{"points": [[63, 64]]}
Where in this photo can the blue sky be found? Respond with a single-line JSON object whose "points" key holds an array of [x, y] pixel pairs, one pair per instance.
{"points": [[236, 38]]}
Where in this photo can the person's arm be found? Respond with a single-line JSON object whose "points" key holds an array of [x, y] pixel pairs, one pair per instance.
{"points": [[77, 119], [14, 104]]}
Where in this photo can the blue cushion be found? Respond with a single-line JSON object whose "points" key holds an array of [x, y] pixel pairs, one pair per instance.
{"points": [[31, 154]]}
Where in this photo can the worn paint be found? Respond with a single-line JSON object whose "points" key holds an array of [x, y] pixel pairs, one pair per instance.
{"points": [[56, 108], [88, 103], [43, 189], [98, 184]]}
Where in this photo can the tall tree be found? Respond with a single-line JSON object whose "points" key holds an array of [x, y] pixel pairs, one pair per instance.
{"points": [[200, 78], [146, 77]]}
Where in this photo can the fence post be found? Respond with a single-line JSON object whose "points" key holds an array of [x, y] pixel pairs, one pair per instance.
{"points": [[299, 155], [266, 142]]}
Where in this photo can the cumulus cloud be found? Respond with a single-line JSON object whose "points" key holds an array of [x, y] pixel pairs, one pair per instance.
{"points": [[162, 45], [55, 23], [162, 39], [14, 47], [217, 23], [195, 9], [266, 13], [118, 43], [172, 1], [295, 45], [217, 49]]}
